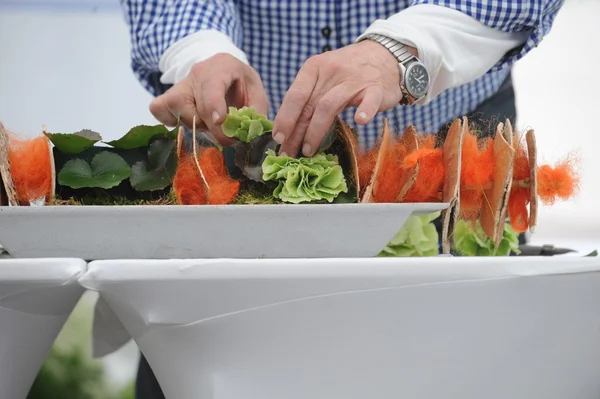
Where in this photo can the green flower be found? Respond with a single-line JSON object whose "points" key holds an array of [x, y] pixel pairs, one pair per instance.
{"points": [[305, 179], [245, 124], [470, 240], [418, 237]]}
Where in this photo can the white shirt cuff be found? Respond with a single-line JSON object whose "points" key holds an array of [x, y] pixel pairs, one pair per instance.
{"points": [[455, 48], [176, 63]]}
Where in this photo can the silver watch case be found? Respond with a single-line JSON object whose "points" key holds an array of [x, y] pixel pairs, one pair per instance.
{"points": [[409, 97], [406, 61]]}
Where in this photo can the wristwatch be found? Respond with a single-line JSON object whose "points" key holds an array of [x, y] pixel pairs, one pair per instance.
{"points": [[414, 77]]}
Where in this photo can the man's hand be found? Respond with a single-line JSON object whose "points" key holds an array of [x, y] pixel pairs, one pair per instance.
{"points": [[210, 88], [364, 74]]}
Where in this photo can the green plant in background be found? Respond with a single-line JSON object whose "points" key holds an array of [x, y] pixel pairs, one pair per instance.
{"points": [[69, 371], [418, 237], [245, 124], [305, 179], [470, 240], [67, 374]]}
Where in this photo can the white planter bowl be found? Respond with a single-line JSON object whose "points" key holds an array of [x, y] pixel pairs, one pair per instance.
{"points": [[228, 231]]}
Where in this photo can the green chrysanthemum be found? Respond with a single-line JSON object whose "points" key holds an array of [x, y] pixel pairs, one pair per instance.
{"points": [[470, 240], [418, 237], [311, 179], [245, 124]]}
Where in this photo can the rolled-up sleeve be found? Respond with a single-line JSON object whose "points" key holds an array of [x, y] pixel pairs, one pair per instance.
{"points": [[155, 25], [534, 17]]}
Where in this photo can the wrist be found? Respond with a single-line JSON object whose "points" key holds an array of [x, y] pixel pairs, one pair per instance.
{"points": [[413, 75]]}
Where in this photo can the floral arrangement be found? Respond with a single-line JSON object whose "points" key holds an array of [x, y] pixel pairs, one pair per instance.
{"points": [[485, 181]]}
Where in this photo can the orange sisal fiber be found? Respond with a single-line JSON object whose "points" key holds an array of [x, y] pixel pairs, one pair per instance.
{"points": [[222, 189], [477, 171], [31, 168], [519, 196], [187, 184], [521, 165], [428, 186], [366, 165], [477, 162], [517, 209], [560, 182], [392, 174], [471, 202], [190, 188]]}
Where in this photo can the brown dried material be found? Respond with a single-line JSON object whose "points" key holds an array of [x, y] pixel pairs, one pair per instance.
{"points": [[3, 196], [350, 144], [196, 159], [410, 142], [452, 156], [371, 190], [533, 181], [52, 191], [180, 143], [6, 176], [494, 210]]}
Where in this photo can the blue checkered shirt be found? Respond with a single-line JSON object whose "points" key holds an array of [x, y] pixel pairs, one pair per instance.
{"points": [[278, 36]]}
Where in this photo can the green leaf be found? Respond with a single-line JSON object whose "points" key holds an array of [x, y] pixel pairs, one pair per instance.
{"points": [[74, 143], [106, 170], [159, 170], [470, 240], [141, 136], [250, 156], [592, 254], [417, 237], [318, 178], [245, 124]]}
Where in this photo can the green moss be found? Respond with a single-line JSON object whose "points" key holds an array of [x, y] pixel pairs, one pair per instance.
{"points": [[105, 199], [255, 194], [253, 198]]}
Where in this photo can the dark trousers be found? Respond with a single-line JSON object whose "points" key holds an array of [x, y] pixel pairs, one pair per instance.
{"points": [[499, 107]]}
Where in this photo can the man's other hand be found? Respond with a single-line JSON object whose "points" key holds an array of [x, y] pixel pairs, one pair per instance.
{"points": [[209, 89]]}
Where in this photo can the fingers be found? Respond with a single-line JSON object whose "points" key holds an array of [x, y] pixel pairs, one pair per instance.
{"points": [[312, 126], [257, 96], [328, 107], [173, 104], [210, 101], [212, 108], [294, 105], [160, 110], [371, 103], [293, 142]]}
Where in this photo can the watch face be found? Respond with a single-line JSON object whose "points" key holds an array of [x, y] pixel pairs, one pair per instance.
{"points": [[417, 80]]}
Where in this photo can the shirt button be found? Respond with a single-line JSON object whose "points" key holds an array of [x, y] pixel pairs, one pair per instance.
{"points": [[326, 31], [326, 47]]}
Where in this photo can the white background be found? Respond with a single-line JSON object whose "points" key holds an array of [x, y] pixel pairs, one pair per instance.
{"points": [[65, 64]]}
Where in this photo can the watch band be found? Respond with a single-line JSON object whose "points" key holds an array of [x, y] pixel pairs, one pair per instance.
{"points": [[399, 50]]}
